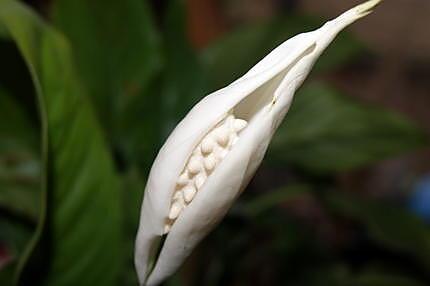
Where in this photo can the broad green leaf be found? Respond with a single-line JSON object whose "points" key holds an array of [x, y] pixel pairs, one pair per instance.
{"points": [[82, 225], [325, 131], [391, 226], [117, 50], [233, 54]]}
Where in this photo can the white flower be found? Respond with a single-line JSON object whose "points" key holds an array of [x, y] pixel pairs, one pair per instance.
{"points": [[214, 151]]}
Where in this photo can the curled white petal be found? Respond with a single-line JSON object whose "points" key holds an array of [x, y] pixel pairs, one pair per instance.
{"points": [[261, 99]]}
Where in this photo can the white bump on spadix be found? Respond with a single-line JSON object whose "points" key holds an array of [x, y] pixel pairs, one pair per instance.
{"points": [[167, 228], [175, 210], [189, 193], [178, 196], [209, 163], [204, 159], [222, 136], [239, 124], [200, 180], [207, 146], [183, 179], [194, 166]]}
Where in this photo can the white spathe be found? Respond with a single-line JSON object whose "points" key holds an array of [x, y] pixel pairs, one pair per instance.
{"points": [[262, 97]]}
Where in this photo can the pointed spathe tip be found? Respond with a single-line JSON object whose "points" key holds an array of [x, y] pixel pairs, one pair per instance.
{"points": [[366, 8], [355, 13]]}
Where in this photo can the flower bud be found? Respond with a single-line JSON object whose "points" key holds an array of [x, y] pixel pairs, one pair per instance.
{"points": [[214, 151]]}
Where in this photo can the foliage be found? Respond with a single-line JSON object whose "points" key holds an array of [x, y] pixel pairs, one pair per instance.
{"points": [[323, 124], [89, 100], [80, 210]]}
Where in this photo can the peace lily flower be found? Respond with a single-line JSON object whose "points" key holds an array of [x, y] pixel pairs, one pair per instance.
{"points": [[214, 151]]}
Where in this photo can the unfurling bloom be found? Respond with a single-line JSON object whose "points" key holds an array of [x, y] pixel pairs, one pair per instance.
{"points": [[214, 151]]}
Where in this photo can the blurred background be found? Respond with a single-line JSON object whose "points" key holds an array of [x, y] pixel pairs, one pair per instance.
{"points": [[89, 91]]}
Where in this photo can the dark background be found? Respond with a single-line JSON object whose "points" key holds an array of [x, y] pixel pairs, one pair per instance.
{"points": [[342, 198]]}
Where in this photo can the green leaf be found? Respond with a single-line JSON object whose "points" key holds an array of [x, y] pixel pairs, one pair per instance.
{"points": [[82, 225], [117, 50], [325, 131], [233, 54], [185, 82], [265, 202], [140, 132], [132, 200], [391, 226], [3, 32], [149, 119]]}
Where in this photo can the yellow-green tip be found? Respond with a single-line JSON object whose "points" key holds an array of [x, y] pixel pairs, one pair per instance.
{"points": [[366, 8]]}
